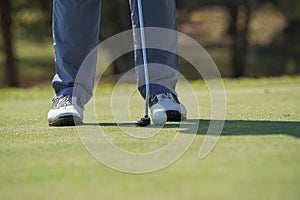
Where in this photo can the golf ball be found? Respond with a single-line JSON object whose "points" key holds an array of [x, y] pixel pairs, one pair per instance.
{"points": [[159, 118]]}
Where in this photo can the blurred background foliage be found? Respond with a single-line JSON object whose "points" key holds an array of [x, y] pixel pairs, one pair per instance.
{"points": [[246, 38]]}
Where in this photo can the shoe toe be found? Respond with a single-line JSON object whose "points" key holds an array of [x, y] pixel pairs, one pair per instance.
{"points": [[67, 116]]}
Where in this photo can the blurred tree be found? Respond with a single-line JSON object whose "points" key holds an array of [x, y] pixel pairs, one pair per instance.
{"points": [[24, 19], [31, 19], [240, 13], [282, 54], [238, 25], [6, 25], [291, 41]]}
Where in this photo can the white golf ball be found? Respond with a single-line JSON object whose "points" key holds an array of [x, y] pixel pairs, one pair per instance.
{"points": [[159, 118]]}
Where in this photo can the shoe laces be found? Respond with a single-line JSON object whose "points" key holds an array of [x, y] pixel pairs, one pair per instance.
{"points": [[163, 97], [62, 101]]}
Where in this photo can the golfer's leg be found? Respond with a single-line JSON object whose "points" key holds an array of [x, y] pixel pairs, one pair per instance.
{"points": [[161, 14], [75, 32]]}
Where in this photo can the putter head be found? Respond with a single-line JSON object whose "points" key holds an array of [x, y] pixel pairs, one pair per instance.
{"points": [[145, 121]]}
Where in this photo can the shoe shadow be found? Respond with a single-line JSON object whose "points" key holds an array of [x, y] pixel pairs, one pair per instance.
{"points": [[231, 127], [106, 124], [249, 127]]}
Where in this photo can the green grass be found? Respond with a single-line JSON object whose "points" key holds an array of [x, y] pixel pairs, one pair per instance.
{"points": [[257, 157]]}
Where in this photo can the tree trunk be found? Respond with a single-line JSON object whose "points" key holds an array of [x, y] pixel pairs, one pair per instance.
{"points": [[238, 29], [6, 21]]}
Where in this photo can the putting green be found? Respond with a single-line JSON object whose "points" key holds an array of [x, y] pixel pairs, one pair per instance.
{"points": [[257, 156]]}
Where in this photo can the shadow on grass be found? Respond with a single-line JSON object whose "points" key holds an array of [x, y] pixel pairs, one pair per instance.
{"points": [[248, 127], [105, 124], [235, 127]]}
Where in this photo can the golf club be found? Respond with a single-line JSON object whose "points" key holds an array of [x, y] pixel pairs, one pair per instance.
{"points": [[145, 121]]}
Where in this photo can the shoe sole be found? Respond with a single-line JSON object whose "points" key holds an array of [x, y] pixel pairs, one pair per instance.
{"points": [[174, 116], [66, 121]]}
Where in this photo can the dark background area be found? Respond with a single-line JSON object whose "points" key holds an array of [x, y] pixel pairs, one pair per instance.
{"points": [[246, 38]]}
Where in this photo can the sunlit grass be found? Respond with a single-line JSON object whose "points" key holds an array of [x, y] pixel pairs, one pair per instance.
{"points": [[257, 157]]}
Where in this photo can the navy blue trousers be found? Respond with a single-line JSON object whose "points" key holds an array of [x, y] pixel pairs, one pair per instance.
{"points": [[76, 26]]}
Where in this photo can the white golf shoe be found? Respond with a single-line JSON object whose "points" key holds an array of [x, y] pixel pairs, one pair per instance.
{"points": [[66, 110], [168, 103]]}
